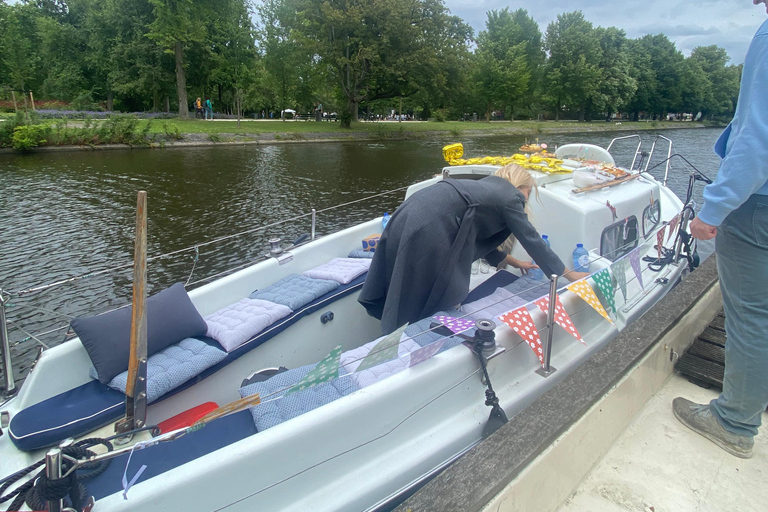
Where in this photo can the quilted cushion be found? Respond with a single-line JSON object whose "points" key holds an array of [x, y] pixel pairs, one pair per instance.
{"points": [[171, 317], [295, 290], [278, 407], [496, 304], [360, 253], [172, 367], [421, 333], [342, 270], [528, 288], [235, 324], [351, 359]]}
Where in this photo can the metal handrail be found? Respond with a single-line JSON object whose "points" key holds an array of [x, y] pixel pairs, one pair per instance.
{"points": [[5, 350], [669, 155], [637, 150]]}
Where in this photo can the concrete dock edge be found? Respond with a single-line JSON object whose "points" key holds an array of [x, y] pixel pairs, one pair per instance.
{"points": [[536, 460]]}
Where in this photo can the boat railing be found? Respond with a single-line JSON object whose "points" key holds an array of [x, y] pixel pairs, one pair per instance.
{"points": [[668, 159], [637, 149]]}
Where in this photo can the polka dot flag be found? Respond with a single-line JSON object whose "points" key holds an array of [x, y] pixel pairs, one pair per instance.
{"points": [[456, 325], [583, 290], [634, 260], [660, 239], [673, 226], [385, 350], [521, 322], [327, 369], [561, 316], [424, 353], [605, 284], [619, 268]]}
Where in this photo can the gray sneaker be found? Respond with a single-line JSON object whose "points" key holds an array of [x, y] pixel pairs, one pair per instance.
{"points": [[700, 419]]}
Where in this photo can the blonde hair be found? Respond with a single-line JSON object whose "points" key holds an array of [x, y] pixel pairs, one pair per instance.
{"points": [[518, 176]]}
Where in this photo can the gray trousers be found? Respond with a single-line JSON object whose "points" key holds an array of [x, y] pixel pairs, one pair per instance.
{"points": [[742, 263]]}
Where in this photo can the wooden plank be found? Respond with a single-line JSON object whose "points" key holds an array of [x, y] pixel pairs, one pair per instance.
{"points": [[701, 369], [713, 336], [708, 351], [718, 323], [607, 184]]}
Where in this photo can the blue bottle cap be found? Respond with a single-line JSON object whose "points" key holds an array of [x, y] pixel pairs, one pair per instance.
{"points": [[579, 245], [544, 237]]}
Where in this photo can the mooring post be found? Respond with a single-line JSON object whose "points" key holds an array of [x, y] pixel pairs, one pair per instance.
{"points": [[547, 369], [136, 387], [5, 349], [32, 99], [53, 472]]}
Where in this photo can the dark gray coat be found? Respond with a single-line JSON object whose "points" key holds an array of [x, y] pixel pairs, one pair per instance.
{"points": [[423, 261]]}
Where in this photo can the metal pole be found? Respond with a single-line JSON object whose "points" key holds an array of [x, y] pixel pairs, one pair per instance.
{"points": [[547, 369], [314, 220], [53, 472], [5, 348], [685, 217]]}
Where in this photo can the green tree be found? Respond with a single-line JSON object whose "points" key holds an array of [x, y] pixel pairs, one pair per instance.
{"points": [[617, 86], [722, 80]]}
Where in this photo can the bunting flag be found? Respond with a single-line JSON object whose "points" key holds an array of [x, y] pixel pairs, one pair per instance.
{"points": [[456, 325], [603, 281], [521, 322], [583, 290], [385, 350], [561, 316], [620, 273], [673, 226], [424, 353], [660, 239], [327, 369], [634, 260]]}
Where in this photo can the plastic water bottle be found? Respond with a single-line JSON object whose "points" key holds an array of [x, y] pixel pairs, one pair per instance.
{"points": [[384, 221], [580, 259], [537, 273]]}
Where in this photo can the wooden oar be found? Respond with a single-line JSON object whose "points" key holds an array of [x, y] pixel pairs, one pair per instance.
{"points": [[230, 408], [607, 184], [136, 387]]}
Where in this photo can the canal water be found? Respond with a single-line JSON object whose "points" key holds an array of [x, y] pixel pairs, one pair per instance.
{"points": [[72, 214]]}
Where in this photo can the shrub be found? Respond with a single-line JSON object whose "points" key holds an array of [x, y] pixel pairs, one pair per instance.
{"points": [[26, 137], [172, 132], [346, 118], [440, 115]]}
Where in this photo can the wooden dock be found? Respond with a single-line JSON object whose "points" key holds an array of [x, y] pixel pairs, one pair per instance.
{"points": [[704, 361]]}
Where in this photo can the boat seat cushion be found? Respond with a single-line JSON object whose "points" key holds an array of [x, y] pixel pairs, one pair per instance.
{"points": [[277, 406], [235, 324], [351, 359], [343, 270], [172, 367], [295, 290], [422, 333], [171, 317], [494, 305]]}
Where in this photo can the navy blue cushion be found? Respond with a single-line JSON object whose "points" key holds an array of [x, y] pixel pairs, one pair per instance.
{"points": [[499, 279], [171, 317], [94, 405]]}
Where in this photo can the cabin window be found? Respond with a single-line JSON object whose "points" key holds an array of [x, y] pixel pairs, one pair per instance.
{"points": [[619, 238], [651, 217]]}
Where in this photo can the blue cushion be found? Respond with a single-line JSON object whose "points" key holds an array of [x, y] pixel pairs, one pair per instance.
{"points": [[278, 407], [93, 405], [359, 253], [172, 367], [171, 317], [295, 290]]}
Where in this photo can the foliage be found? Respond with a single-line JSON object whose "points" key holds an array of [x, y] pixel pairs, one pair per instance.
{"points": [[26, 137], [172, 132]]}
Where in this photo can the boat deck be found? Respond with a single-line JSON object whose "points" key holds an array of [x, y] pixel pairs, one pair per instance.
{"points": [[658, 464]]}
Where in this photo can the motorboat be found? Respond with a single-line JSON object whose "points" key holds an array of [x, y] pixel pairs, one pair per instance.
{"points": [[287, 397]]}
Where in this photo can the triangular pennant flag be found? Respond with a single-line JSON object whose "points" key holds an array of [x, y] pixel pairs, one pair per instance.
{"points": [[424, 353], [327, 369], [456, 325], [673, 226], [603, 281], [620, 273], [634, 260], [583, 290], [521, 322], [385, 350], [561, 316], [660, 239]]}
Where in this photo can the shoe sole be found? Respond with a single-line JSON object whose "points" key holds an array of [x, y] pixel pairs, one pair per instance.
{"points": [[719, 442]]}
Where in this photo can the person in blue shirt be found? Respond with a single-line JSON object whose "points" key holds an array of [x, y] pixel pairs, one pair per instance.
{"points": [[735, 213]]}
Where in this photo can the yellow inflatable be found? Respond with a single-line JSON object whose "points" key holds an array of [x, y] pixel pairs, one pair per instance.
{"points": [[453, 153]]}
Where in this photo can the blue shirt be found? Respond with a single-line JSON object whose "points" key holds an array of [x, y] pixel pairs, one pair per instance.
{"points": [[743, 146]]}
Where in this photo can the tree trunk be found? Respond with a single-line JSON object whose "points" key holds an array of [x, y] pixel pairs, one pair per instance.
{"points": [[181, 80], [353, 108], [155, 101], [582, 113], [110, 101], [167, 104]]}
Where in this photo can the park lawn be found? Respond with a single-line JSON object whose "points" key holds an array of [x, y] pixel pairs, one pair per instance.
{"points": [[382, 128]]}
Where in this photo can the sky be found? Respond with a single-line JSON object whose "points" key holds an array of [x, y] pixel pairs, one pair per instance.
{"points": [[729, 24]]}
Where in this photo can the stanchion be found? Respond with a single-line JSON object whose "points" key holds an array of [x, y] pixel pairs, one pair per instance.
{"points": [[547, 369], [5, 350], [53, 472], [314, 221]]}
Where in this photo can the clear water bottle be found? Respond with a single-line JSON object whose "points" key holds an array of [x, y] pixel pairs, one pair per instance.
{"points": [[384, 221], [580, 259], [537, 273]]}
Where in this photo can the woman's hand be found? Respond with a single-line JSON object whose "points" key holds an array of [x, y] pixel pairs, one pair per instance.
{"points": [[574, 276], [523, 266]]}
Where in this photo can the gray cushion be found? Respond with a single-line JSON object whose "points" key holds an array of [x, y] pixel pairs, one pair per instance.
{"points": [[359, 253], [171, 317], [295, 290], [172, 367]]}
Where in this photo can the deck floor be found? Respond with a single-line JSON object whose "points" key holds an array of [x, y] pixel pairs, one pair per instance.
{"points": [[659, 465]]}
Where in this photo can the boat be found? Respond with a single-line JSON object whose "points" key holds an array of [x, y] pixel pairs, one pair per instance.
{"points": [[296, 414]]}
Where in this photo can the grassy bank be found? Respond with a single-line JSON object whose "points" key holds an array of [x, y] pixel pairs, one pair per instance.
{"points": [[27, 134]]}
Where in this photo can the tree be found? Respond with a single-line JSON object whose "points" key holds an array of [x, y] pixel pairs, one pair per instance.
{"points": [[573, 70], [616, 83], [722, 80]]}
